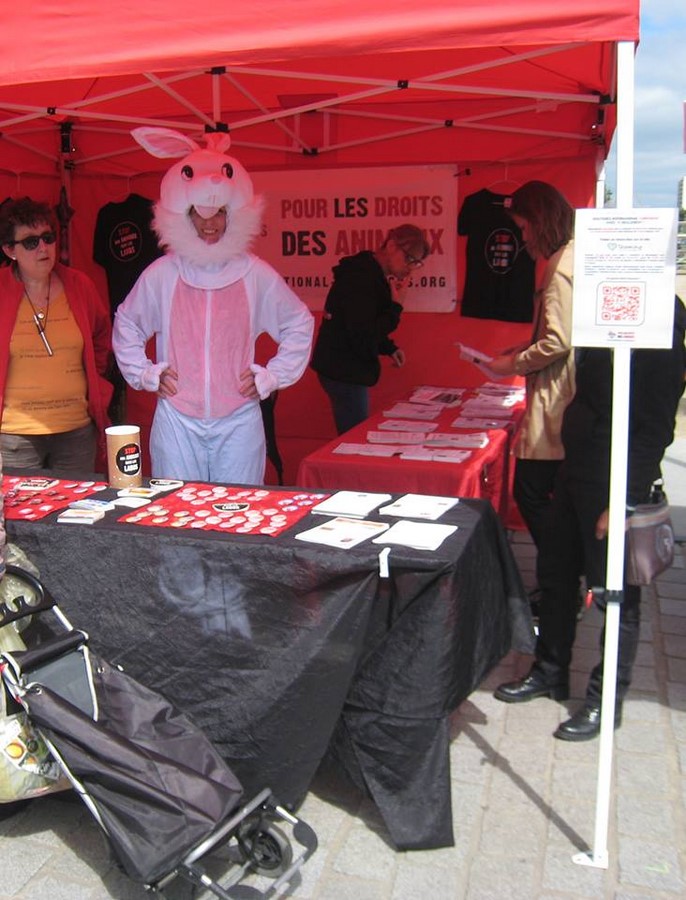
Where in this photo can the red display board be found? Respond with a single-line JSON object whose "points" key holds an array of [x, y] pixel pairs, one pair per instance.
{"points": [[36, 497], [236, 510]]}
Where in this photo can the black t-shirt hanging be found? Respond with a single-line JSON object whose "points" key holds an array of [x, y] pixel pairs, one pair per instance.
{"points": [[124, 244], [500, 276]]}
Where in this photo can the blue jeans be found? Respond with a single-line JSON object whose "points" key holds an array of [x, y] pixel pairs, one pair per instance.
{"points": [[349, 402]]}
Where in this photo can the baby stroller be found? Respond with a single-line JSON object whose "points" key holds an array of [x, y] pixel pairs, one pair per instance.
{"points": [[154, 783]]}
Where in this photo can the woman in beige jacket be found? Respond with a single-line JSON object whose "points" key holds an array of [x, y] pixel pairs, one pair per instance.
{"points": [[547, 224]]}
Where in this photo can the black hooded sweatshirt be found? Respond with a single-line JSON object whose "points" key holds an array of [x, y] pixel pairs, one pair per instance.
{"points": [[359, 314]]}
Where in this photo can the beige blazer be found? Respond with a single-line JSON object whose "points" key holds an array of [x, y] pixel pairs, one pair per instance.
{"points": [[548, 363]]}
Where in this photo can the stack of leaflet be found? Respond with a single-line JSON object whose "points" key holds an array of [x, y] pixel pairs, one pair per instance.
{"points": [[503, 390], [350, 503], [405, 425], [475, 441], [490, 406], [352, 449], [421, 453], [419, 506], [420, 535], [423, 411], [396, 437], [342, 532], [470, 422], [345, 526], [437, 395]]}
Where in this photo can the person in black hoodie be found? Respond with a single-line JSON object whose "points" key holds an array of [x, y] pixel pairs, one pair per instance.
{"points": [[362, 308], [575, 540]]}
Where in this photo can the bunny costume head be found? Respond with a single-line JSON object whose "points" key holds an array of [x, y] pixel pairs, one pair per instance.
{"points": [[207, 181]]}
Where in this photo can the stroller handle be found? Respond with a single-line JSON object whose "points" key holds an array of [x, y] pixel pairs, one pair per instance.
{"points": [[18, 607]]}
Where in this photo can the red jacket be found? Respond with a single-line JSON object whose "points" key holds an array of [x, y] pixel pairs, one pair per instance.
{"points": [[93, 319]]}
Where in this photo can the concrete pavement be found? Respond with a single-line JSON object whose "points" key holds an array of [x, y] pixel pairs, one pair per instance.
{"points": [[523, 803]]}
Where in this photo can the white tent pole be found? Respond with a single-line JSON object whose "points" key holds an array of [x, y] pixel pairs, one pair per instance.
{"points": [[180, 99], [621, 389], [600, 187], [292, 134]]}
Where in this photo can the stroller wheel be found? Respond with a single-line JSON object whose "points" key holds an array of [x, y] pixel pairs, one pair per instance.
{"points": [[265, 847]]}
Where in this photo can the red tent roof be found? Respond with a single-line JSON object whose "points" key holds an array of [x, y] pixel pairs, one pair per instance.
{"points": [[79, 38]]}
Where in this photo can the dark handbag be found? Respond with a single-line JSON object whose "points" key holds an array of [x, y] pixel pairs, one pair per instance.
{"points": [[650, 540]]}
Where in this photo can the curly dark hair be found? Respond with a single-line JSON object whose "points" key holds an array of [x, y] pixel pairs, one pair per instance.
{"points": [[549, 215], [24, 211]]}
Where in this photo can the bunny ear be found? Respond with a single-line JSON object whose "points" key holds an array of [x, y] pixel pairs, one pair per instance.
{"points": [[219, 141], [164, 142]]}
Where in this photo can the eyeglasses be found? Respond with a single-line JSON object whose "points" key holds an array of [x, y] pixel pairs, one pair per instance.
{"points": [[412, 260], [33, 240]]}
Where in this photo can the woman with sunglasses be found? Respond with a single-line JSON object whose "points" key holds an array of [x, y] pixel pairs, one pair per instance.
{"points": [[362, 308], [54, 348]]}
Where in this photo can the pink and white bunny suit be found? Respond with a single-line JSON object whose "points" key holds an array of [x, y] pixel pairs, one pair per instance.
{"points": [[206, 304]]}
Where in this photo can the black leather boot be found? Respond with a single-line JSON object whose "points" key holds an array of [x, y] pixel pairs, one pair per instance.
{"points": [[536, 684], [584, 725]]}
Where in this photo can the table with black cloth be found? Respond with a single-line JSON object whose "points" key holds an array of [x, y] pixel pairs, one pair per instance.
{"points": [[282, 650]]}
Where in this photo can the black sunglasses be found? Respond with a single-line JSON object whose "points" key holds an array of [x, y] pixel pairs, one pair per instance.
{"points": [[33, 240]]}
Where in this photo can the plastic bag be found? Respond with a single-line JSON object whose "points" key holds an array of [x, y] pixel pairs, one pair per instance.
{"points": [[27, 768]]}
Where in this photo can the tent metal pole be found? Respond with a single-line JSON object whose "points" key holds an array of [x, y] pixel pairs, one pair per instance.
{"points": [[621, 388], [180, 99]]}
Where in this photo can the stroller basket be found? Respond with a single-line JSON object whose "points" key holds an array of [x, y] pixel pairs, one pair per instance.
{"points": [[152, 780]]}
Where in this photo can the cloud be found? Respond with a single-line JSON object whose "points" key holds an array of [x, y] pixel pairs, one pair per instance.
{"points": [[660, 92]]}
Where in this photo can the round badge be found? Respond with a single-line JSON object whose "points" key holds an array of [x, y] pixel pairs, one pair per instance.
{"points": [[230, 507]]}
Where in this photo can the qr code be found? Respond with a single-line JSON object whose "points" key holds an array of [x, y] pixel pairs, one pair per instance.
{"points": [[621, 304]]}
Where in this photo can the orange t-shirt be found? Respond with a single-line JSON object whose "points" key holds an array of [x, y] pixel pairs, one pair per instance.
{"points": [[45, 394]]}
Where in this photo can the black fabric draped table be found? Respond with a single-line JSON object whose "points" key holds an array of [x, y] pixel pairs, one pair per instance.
{"points": [[283, 650]]}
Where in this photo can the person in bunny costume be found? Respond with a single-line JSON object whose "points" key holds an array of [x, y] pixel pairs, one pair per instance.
{"points": [[206, 301]]}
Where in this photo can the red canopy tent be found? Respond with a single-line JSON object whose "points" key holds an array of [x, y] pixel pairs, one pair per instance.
{"points": [[505, 92]]}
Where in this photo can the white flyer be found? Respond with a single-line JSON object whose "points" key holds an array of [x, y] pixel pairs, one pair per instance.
{"points": [[396, 437], [404, 425], [477, 439], [349, 449], [444, 396], [435, 454], [419, 506], [420, 535], [342, 532], [473, 423], [350, 503], [408, 410]]}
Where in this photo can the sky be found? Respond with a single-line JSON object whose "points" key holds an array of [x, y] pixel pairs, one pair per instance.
{"points": [[660, 83]]}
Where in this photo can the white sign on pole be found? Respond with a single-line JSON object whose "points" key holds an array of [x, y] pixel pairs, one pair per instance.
{"points": [[624, 276], [312, 219]]}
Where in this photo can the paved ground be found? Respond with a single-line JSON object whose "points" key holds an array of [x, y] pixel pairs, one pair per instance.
{"points": [[523, 802]]}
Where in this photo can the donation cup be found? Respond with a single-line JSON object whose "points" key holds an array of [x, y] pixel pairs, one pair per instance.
{"points": [[124, 456]]}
